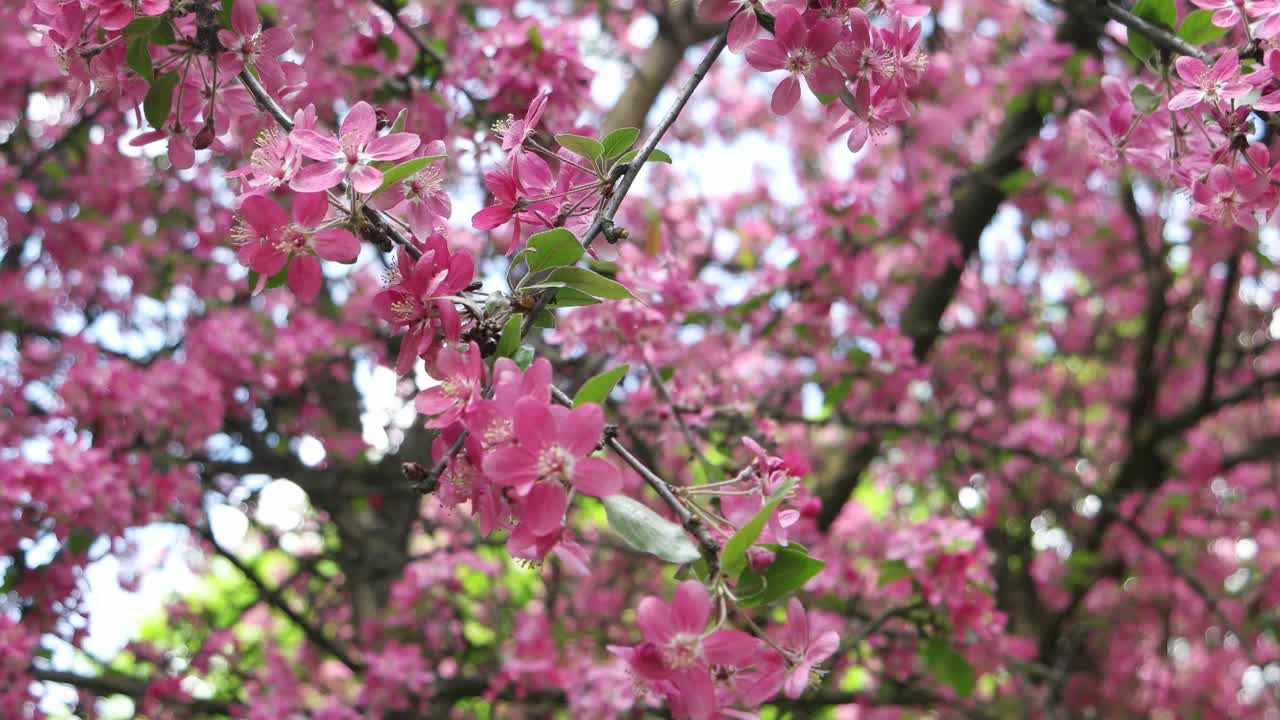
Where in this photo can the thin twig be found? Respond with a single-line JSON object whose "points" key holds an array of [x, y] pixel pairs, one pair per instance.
{"points": [[604, 218]]}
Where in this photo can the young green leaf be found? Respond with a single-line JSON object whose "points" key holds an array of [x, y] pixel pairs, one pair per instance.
{"points": [[509, 341], [589, 148], [159, 99], [598, 388], [655, 156], [142, 26], [791, 569], [569, 297], [619, 141], [553, 248], [138, 57], [647, 531], [1144, 99], [590, 283], [523, 357], [1157, 12], [948, 665], [406, 169], [734, 557], [1197, 28]]}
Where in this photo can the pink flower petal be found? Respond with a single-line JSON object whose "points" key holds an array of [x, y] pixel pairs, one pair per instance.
{"points": [[654, 619], [244, 17], [580, 432], [365, 179], [336, 244], [596, 477], [511, 467], [315, 145], [393, 146], [309, 209], [691, 607], [785, 96], [543, 508], [535, 425], [305, 277], [317, 177], [766, 55], [361, 123]]}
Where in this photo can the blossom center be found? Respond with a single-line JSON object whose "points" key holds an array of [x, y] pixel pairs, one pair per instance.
{"points": [[556, 463], [800, 61], [684, 650]]}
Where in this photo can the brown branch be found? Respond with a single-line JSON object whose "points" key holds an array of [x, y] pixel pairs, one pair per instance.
{"points": [[105, 685]]}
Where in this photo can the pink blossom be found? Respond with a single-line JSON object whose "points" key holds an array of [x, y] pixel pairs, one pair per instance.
{"points": [[804, 651], [268, 241], [349, 154], [459, 388], [1221, 82], [800, 51], [115, 14], [554, 444], [1226, 13], [744, 26], [491, 419], [420, 196], [247, 44], [417, 298]]}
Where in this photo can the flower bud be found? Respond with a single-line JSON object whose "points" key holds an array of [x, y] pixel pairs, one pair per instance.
{"points": [[760, 558]]}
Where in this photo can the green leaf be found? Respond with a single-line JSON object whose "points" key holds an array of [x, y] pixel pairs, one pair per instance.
{"points": [[224, 17], [655, 156], [791, 569], [405, 169], [142, 26], [138, 57], [163, 34], [589, 148], [401, 119], [598, 388], [948, 665], [523, 357], [535, 39], [509, 341], [1015, 181], [159, 99], [1144, 99], [279, 279], [553, 248], [568, 297], [1198, 28], [590, 283], [79, 541], [544, 319], [1157, 12], [647, 531], [389, 47], [619, 141], [734, 557], [892, 571]]}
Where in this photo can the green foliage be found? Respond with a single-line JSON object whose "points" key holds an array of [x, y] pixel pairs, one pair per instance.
{"points": [[792, 567], [159, 99], [948, 665], [597, 389], [589, 148], [734, 557], [1162, 13], [1197, 28], [647, 531]]}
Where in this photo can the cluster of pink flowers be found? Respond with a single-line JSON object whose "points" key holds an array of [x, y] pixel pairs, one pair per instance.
{"points": [[703, 673], [522, 456], [863, 72]]}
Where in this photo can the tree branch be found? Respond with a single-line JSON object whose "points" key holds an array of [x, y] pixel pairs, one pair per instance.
{"points": [[604, 218]]}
